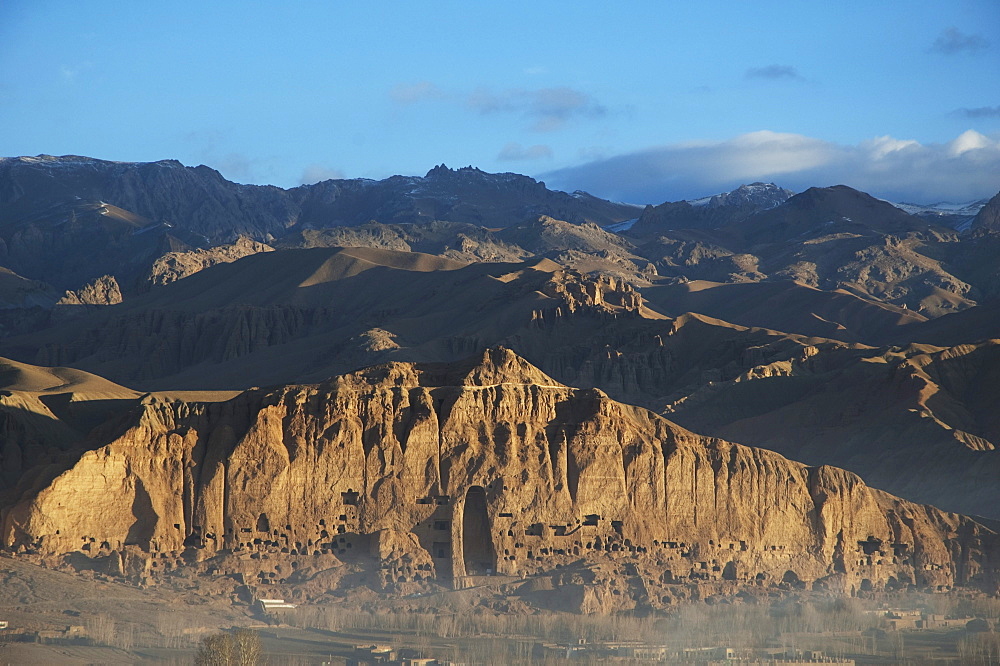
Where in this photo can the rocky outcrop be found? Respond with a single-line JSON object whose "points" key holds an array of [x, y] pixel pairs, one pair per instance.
{"points": [[173, 266], [484, 467], [102, 291], [454, 240], [752, 198]]}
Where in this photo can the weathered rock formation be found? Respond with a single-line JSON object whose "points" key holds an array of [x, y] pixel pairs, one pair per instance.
{"points": [[173, 266], [476, 468], [101, 291], [302, 316]]}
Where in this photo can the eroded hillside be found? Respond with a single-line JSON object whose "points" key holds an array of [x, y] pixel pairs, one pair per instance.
{"points": [[404, 473]]}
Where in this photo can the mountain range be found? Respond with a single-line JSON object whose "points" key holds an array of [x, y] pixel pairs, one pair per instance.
{"points": [[828, 326]]}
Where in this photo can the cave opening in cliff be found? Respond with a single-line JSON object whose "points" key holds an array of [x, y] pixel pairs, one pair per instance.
{"points": [[141, 531], [477, 544]]}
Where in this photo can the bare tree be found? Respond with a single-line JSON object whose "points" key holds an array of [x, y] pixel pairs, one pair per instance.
{"points": [[240, 648], [248, 647]]}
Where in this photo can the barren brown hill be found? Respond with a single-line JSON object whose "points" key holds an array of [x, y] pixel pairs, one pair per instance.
{"points": [[918, 420], [18, 293], [547, 234], [302, 316], [293, 315], [973, 325], [697, 255], [821, 211], [787, 306], [70, 243], [404, 473], [46, 412], [585, 247], [23, 377], [912, 270], [837, 239], [453, 240]]}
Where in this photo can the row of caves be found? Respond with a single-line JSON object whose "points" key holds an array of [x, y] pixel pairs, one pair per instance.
{"points": [[467, 537]]}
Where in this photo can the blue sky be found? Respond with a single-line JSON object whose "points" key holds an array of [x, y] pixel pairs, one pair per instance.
{"points": [[644, 102]]}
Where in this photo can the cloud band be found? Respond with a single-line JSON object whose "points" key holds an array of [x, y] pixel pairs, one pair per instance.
{"points": [[963, 169]]}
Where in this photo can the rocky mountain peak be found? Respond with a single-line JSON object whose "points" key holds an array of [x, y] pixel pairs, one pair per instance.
{"points": [[847, 203], [821, 211], [989, 217], [758, 196], [815, 196], [494, 366], [475, 177], [500, 365], [439, 171], [442, 171]]}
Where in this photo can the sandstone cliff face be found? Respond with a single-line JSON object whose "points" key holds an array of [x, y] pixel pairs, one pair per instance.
{"points": [[482, 467]]}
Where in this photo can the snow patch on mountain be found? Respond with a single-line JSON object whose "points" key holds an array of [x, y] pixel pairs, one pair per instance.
{"points": [[941, 208], [618, 227], [958, 216]]}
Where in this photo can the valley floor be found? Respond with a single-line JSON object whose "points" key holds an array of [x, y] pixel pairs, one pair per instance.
{"points": [[58, 618]]}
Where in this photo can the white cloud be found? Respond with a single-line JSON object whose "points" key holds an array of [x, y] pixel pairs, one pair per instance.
{"points": [[902, 169], [966, 141], [881, 146]]}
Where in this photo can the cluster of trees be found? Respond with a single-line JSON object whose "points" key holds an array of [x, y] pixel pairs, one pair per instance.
{"points": [[240, 648], [462, 622], [982, 648]]}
